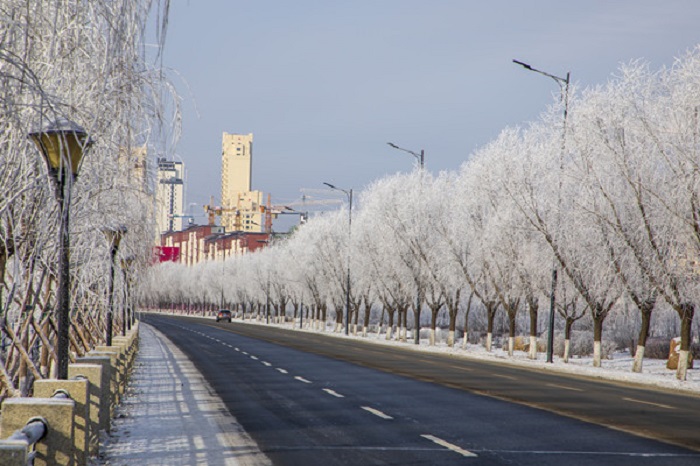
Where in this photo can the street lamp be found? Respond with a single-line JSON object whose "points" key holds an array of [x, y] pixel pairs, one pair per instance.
{"points": [[62, 144], [114, 237], [563, 84], [127, 311], [420, 157], [347, 288], [419, 300]]}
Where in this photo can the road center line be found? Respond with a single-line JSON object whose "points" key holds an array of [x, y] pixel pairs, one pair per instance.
{"points": [[449, 446], [658, 405], [376, 412], [282, 370], [564, 387], [302, 379], [332, 392]]}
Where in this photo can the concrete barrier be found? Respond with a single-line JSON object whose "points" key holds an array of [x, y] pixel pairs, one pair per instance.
{"points": [[57, 448], [95, 383], [78, 390]]}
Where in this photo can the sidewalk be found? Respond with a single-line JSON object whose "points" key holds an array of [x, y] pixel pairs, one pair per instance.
{"points": [[171, 416]]}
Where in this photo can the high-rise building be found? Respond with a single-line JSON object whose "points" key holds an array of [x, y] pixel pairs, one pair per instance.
{"points": [[170, 195], [240, 205]]}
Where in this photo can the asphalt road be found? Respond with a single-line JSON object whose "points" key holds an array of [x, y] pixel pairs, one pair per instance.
{"points": [[312, 399]]}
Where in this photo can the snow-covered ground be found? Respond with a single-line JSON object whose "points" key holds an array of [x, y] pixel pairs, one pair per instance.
{"points": [[619, 368]]}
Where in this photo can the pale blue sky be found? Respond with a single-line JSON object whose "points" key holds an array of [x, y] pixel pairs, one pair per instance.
{"points": [[323, 85]]}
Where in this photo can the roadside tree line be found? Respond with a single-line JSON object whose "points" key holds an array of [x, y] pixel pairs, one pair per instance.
{"points": [[85, 62], [609, 198]]}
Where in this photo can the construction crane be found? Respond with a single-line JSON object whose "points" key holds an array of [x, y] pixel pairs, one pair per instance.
{"points": [[212, 211]]}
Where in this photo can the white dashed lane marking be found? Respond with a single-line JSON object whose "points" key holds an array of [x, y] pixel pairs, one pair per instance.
{"points": [[266, 363], [333, 393], [283, 371], [376, 412], [302, 379], [449, 446]]}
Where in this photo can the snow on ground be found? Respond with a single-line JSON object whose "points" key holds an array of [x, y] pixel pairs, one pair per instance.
{"points": [[617, 369]]}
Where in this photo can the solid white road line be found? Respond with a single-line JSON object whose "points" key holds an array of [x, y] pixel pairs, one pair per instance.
{"points": [[564, 387], [658, 405], [333, 393], [282, 370], [302, 379], [449, 446], [376, 412]]}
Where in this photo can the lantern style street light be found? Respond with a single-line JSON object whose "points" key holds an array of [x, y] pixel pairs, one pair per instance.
{"points": [[62, 144], [563, 84], [114, 237], [347, 288]]}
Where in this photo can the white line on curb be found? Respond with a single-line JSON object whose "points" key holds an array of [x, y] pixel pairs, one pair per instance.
{"points": [[449, 446], [376, 412], [333, 392], [564, 387], [658, 405]]}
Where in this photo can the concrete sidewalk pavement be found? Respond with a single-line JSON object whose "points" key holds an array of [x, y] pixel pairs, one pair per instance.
{"points": [[171, 416]]}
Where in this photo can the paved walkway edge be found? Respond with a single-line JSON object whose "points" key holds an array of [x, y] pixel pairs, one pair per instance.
{"points": [[172, 416]]}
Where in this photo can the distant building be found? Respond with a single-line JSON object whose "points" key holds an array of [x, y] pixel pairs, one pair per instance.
{"points": [[199, 243], [170, 195], [241, 207]]}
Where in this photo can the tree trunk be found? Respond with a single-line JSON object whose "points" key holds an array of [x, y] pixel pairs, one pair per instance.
{"points": [[533, 308], [597, 338], [489, 331], [567, 337], [511, 332], [643, 334], [365, 320], [687, 310], [433, 324]]}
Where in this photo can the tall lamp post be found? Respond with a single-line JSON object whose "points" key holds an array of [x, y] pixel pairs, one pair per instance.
{"points": [[347, 287], [419, 299], [114, 237], [62, 144], [563, 84], [127, 311]]}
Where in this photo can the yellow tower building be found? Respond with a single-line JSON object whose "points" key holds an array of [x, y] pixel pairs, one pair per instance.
{"points": [[240, 205]]}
